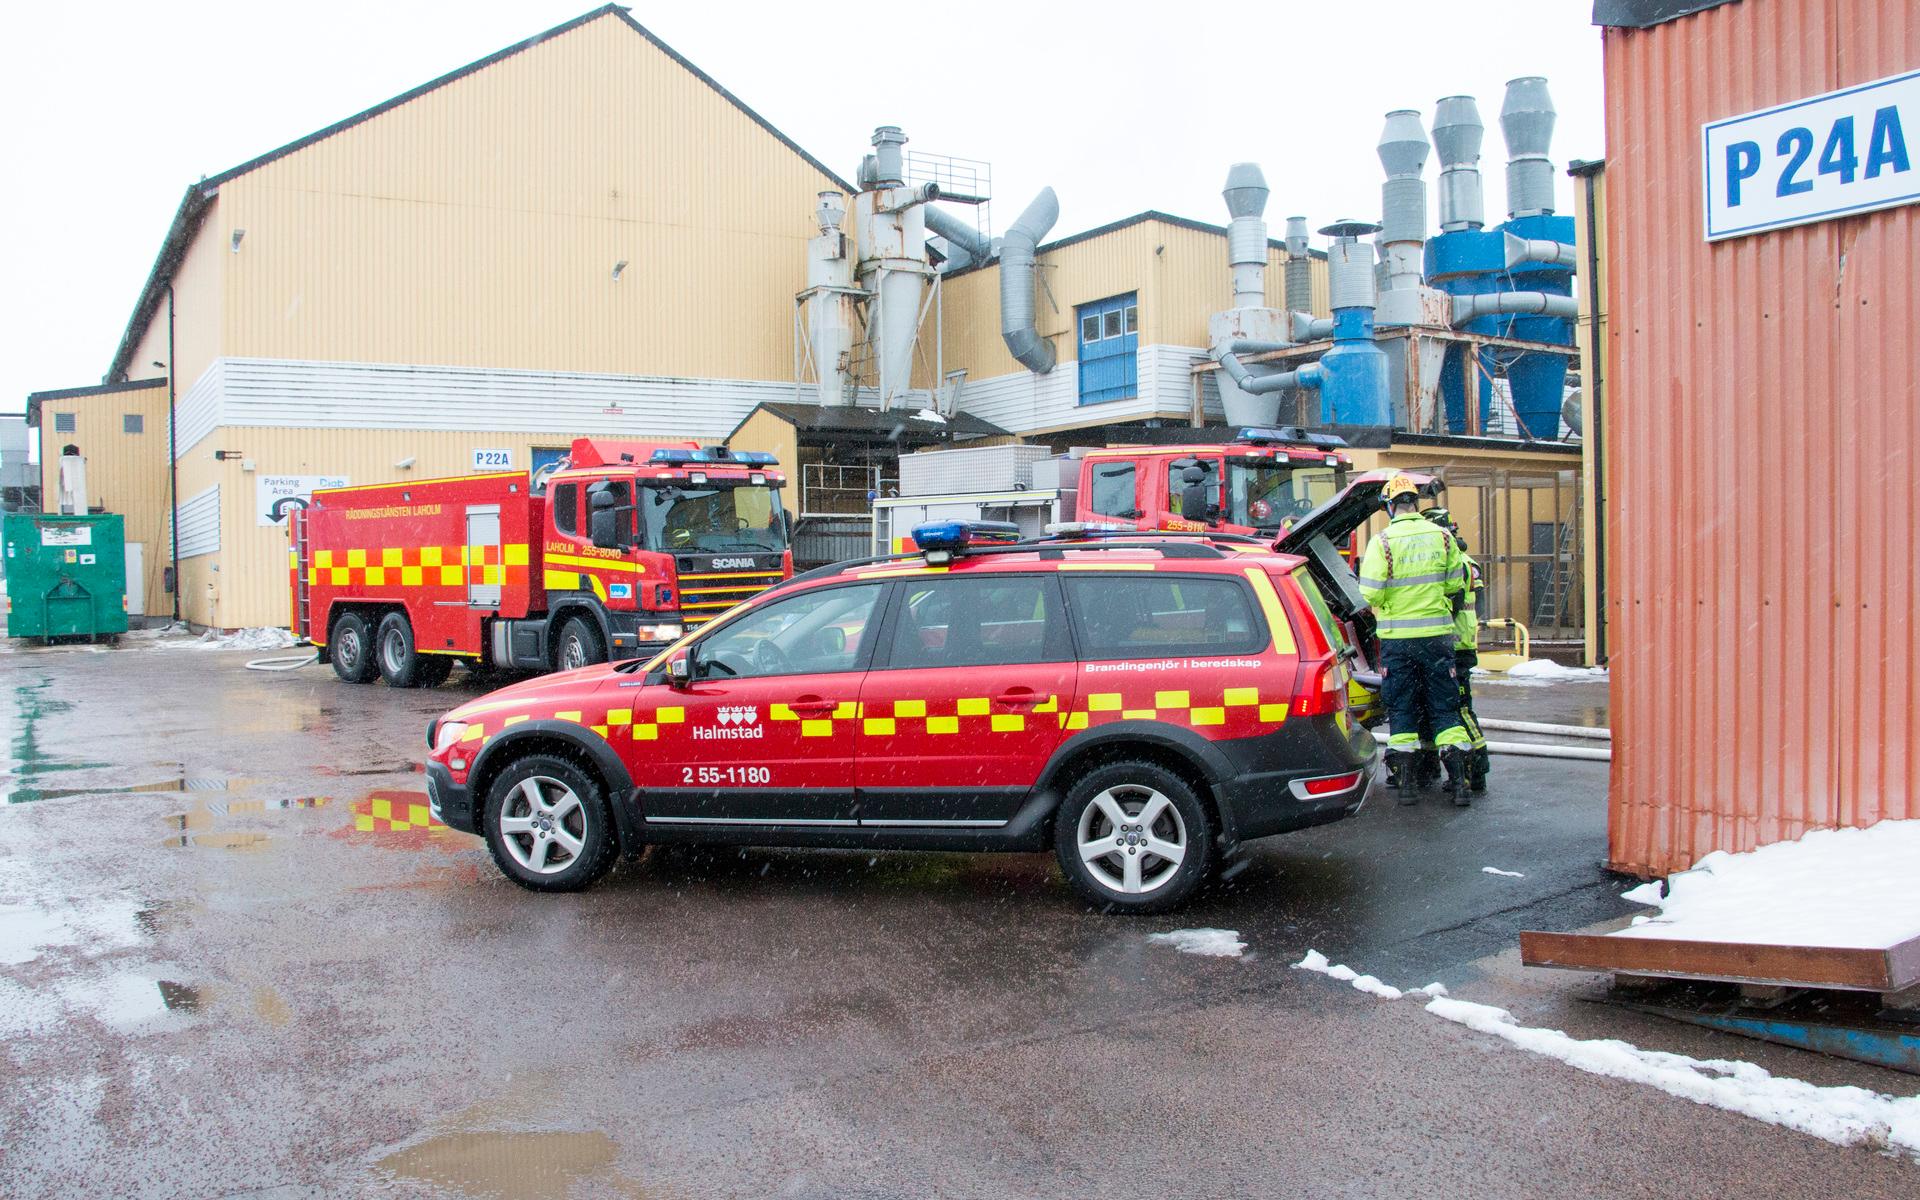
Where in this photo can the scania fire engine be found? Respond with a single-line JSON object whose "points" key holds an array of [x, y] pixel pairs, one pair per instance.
{"points": [[618, 552]]}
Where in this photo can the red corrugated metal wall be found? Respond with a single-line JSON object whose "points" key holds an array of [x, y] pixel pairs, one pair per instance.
{"points": [[1764, 453]]}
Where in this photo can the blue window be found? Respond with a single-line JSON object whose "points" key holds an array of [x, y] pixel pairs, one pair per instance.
{"points": [[1109, 345]]}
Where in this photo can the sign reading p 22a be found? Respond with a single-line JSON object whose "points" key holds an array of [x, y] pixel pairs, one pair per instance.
{"points": [[1830, 156]]}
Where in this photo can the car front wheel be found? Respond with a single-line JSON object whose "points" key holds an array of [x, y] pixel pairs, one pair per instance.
{"points": [[548, 825], [1133, 837]]}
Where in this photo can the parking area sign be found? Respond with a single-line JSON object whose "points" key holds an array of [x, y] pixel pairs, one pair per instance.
{"points": [[1828, 156]]}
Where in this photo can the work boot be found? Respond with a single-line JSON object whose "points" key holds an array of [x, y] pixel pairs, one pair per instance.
{"points": [[1455, 760], [1400, 776], [1479, 766], [1426, 768]]}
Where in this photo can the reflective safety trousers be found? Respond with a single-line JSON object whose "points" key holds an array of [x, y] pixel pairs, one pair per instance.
{"points": [[1410, 575]]}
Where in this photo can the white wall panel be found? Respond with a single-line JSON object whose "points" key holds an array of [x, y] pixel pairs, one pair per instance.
{"points": [[200, 523], [197, 410]]}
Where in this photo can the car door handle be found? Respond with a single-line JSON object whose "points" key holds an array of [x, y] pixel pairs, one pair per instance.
{"points": [[1019, 697], [812, 705]]}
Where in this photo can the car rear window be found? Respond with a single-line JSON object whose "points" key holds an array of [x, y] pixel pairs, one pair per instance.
{"points": [[1162, 616]]}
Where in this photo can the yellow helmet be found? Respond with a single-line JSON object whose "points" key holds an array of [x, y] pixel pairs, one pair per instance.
{"points": [[1400, 485]]}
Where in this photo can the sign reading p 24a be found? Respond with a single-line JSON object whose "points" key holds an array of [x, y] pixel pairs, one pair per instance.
{"points": [[1829, 156]]}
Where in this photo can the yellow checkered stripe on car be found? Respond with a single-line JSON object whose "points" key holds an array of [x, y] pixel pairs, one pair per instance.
{"points": [[1177, 707], [970, 714], [417, 566]]}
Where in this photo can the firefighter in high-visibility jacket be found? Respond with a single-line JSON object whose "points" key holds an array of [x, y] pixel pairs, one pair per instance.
{"points": [[1413, 576], [1466, 655]]}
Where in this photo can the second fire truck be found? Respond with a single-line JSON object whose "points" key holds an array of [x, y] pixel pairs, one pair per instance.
{"points": [[618, 552]]}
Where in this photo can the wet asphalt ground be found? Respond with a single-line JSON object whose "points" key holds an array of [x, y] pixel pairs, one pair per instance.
{"points": [[232, 965]]}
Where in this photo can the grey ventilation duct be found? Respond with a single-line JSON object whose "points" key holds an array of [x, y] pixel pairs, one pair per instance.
{"points": [[1299, 274], [1526, 119], [1403, 221], [1456, 137], [1024, 342], [1541, 250], [1502, 304], [1246, 197], [969, 245]]}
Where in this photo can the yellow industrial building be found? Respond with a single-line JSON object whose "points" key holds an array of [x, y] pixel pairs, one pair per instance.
{"points": [[581, 234]]}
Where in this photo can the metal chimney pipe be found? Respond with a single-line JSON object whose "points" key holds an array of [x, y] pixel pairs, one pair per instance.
{"points": [[1016, 283], [1457, 131], [1299, 275], [888, 166], [1403, 216], [1526, 120], [1246, 197]]}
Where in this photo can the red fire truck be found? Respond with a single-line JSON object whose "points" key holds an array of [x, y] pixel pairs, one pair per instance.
{"points": [[618, 552], [1261, 482]]}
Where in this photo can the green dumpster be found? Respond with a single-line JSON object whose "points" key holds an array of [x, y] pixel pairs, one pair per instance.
{"points": [[66, 576]]}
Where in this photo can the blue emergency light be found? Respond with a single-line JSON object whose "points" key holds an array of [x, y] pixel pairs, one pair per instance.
{"points": [[758, 458], [1262, 435], [678, 458]]}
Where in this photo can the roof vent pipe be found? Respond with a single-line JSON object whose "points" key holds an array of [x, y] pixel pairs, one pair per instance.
{"points": [[1246, 197], [1456, 136], [888, 170], [1469, 308], [970, 246], [1299, 274], [1017, 279], [1403, 224], [1526, 119]]}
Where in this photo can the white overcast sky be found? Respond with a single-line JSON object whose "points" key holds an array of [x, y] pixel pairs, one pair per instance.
{"points": [[112, 108]]}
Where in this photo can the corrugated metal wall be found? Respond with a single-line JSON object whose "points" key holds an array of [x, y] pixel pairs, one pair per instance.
{"points": [[249, 572], [126, 472], [1763, 447]]}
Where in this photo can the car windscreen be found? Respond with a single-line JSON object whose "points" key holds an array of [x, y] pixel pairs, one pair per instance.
{"points": [[1266, 495], [676, 517]]}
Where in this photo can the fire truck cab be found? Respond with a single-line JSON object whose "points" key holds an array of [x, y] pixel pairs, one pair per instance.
{"points": [[1259, 483], [620, 550]]}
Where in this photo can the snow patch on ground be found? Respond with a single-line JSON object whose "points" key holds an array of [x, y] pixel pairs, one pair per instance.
{"points": [[1539, 672], [1316, 961], [1833, 887], [1498, 871], [268, 638], [1214, 943], [1847, 1116]]}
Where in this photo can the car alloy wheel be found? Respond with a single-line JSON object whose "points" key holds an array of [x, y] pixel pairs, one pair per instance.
{"points": [[543, 825], [1132, 839]]}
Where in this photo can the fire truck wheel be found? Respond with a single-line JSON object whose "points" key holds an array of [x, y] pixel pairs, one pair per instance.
{"points": [[434, 670], [1133, 838], [548, 824], [351, 649], [579, 645], [400, 665]]}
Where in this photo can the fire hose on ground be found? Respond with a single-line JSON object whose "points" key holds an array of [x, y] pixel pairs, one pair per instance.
{"points": [[1535, 749]]}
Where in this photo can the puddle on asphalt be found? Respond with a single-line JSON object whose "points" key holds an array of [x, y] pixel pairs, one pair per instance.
{"points": [[402, 768], [26, 757], [400, 817], [269, 1007], [184, 784], [203, 814], [217, 840], [510, 1166]]}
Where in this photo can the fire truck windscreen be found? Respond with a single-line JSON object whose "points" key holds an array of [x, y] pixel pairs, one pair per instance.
{"points": [[1264, 494], [709, 517]]}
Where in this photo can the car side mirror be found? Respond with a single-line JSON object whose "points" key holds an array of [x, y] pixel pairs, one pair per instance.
{"points": [[680, 670]]}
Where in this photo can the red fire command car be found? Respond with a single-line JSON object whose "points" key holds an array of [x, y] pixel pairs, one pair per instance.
{"points": [[1139, 703], [618, 552]]}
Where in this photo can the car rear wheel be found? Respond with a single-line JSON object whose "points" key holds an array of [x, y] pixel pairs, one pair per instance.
{"points": [[579, 645], [548, 825], [400, 664], [1133, 837], [351, 649]]}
